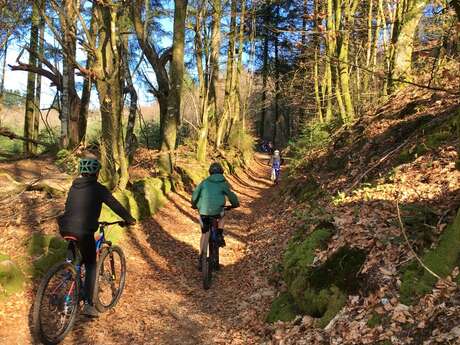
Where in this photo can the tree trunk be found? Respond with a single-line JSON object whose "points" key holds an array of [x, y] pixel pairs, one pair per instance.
{"points": [[343, 66], [130, 136], [228, 102], [214, 58], [84, 107], [403, 44], [29, 120], [264, 86], [2, 81], [108, 67], [202, 141], [319, 109], [176, 74], [38, 85], [86, 91], [331, 47], [369, 46], [277, 92]]}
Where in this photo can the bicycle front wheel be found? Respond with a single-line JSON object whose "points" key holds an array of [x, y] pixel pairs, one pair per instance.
{"points": [[56, 303], [111, 277]]}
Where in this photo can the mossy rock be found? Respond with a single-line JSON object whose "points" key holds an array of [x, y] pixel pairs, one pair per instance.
{"points": [[149, 196], [299, 256], [340, 270], [322, 291], [9, 186], [38, 244], [191, 175], [46, 250], [11, 277], [282, 309], [416, 281]]}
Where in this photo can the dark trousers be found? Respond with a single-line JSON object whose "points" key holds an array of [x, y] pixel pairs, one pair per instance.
{"points": [[87, 247]]}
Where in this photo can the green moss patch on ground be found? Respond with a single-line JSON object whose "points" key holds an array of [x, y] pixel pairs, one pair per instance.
{"points": [[416, 281], [283, 308], [316, 291], [45, 250], [11, 277]]}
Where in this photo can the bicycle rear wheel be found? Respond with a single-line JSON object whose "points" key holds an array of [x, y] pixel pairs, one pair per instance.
{"points": [[206, 271], [56, 303], [111, 277]]}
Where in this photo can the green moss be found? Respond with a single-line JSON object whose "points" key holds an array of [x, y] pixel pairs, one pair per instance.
{"points": [[340, 270], [375, 320], [283, 308], [66, 161], [320, 292], [336, 301], [50, 250], [38, 243], [11, 277], [299, 256], [416, 281]]}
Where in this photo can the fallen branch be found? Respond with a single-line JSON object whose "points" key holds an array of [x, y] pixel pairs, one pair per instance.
{"points": [[401, 225], [7, 133]]}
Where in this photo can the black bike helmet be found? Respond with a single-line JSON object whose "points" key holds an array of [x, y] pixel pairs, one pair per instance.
{"points": [[89, 166], [216, 168]]}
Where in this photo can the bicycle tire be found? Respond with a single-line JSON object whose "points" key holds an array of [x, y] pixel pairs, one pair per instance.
{"points": [[37, 317], [108, 253], [214, 255], [206, 271]]}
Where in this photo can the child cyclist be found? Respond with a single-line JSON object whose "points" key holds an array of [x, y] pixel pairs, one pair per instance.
{"points": [[80, 220], [275, 162], [209, 198]]}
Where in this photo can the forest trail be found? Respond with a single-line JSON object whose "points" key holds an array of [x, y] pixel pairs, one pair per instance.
{"points": [[163, 301]]}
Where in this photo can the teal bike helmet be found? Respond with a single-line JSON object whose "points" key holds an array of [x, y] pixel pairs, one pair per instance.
{"points": [[89, 166]]}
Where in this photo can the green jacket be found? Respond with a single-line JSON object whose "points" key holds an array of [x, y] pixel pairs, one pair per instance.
{"points": [[209, 196]]}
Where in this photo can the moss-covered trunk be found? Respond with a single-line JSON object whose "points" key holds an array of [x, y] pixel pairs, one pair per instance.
{"points": [[403, 37], [176, 74], [108, 66]]}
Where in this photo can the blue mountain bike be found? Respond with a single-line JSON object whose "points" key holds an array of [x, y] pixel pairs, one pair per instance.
{"points": [[60, 291]]}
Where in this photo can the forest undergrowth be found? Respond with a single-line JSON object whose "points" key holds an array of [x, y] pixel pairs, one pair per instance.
{"points": [[399, 159]]}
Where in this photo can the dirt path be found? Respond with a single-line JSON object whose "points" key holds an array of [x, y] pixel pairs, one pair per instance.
{"points": [[163, 302]]}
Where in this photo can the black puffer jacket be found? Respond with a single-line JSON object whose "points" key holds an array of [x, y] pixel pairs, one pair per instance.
{"points": [[84, 204]]}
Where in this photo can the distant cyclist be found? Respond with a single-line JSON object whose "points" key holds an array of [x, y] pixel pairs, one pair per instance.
{"points": [[80, 219], [209, 198], [275, 163]]}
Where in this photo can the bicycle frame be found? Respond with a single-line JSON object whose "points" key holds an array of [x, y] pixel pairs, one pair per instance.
{"points": [[99, 244]]}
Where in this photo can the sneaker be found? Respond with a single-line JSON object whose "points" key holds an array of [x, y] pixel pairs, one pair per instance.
{"points": [[90, 310], [220, 238]]}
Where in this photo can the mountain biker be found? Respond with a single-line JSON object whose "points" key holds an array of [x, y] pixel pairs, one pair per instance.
{"points": [[80, 220], [275, 162], [209, 198]]}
